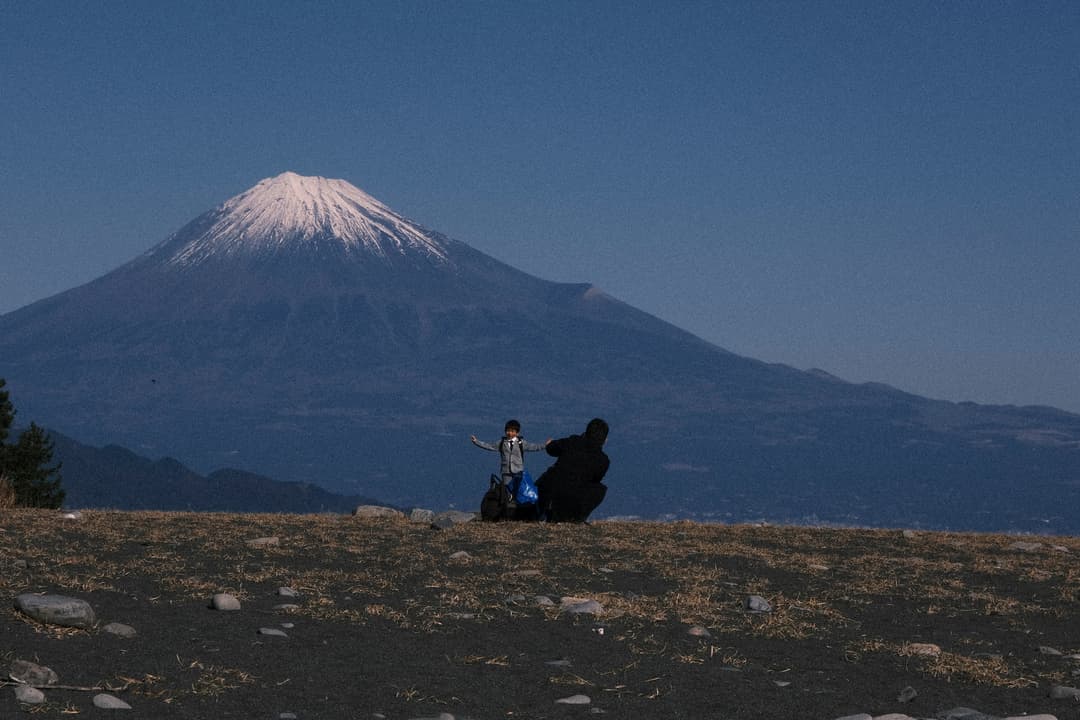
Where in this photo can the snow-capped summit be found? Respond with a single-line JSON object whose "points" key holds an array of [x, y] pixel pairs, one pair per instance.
{"points": [[291, 211]]}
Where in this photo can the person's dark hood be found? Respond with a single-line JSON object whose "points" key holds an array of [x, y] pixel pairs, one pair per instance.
{"points": [[596, 432]]}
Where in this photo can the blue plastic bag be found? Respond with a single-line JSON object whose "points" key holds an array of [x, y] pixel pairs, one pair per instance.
{"points": [[525, 489]]}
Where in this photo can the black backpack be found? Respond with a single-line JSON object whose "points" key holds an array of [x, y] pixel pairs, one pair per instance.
{"points": [[498, 503]]}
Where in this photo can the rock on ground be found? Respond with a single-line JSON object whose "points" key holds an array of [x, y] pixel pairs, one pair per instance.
{"points": [[56, 610], [225, 601], [377, 511], [30, 673]]}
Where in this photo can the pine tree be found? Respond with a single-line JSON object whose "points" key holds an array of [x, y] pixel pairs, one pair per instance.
{"points": [[26, 465], [7, 414]]}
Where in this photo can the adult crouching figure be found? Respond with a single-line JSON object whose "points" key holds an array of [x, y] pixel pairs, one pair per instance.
{"points": [[571, 489]]}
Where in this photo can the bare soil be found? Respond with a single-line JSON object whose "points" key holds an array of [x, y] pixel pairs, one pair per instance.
{"points": [[390, 624]]}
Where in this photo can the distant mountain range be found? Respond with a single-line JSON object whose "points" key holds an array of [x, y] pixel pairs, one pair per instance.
{"points": [[115, 478], [306, 332]]}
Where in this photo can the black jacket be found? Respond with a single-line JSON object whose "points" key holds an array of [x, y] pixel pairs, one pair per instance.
{"points": [[579, 460], [572, 488]]}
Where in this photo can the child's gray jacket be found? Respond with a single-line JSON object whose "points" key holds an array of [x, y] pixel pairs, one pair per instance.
{"points": [[511, 453]]}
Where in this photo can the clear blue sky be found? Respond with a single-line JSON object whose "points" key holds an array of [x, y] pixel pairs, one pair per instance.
{"points": [[889, 191]]}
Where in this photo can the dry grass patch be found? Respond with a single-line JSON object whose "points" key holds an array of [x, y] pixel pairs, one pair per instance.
{"points": [[214, 680], [984, 669], [152, 686], [793, 619], [7, 493], [837, 594], [992, 670]]}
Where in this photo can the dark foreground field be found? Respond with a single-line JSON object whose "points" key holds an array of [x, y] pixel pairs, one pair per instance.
{"points": [[393, 623]]}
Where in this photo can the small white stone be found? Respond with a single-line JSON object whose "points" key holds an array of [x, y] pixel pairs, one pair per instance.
{"points": [[225, 601], [115, 628], [758, 604], [574, 700], [273, 632], [29, 695], [110, 702], [578, 606]]}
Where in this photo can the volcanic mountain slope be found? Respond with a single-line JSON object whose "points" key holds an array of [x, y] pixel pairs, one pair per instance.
{"points": [[305, 331]]}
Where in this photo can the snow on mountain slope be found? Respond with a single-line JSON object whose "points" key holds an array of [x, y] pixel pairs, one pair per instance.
{"points": [[291, 210]]}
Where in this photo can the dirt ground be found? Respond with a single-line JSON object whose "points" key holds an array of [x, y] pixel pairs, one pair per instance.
{"points": [[393, 621]]}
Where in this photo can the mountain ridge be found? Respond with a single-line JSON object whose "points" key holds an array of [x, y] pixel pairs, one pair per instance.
{"points": [[366, 374], [114, 477]]}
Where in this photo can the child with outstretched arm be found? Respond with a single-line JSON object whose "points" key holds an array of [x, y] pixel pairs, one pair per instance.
{"points": [[511, 448]]}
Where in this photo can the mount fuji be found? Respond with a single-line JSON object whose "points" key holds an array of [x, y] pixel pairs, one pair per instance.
{"points": [[305, 331]]}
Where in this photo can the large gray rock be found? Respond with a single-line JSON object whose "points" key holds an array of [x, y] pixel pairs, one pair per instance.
{"points": [[421, 515], [377, 511], [450, 518], [30, 673], [56, 610]]}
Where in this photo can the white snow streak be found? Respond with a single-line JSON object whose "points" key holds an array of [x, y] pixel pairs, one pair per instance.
{"points": [[292, 209]]}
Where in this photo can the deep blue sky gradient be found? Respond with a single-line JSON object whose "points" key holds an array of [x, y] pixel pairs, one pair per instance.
{"points": [[887, 191]]}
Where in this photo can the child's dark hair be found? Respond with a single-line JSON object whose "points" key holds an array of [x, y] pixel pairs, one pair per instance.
{"points": [[512, 425]]}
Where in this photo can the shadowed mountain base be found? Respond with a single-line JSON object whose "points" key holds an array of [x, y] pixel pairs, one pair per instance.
{"points": [[399, 619]]}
